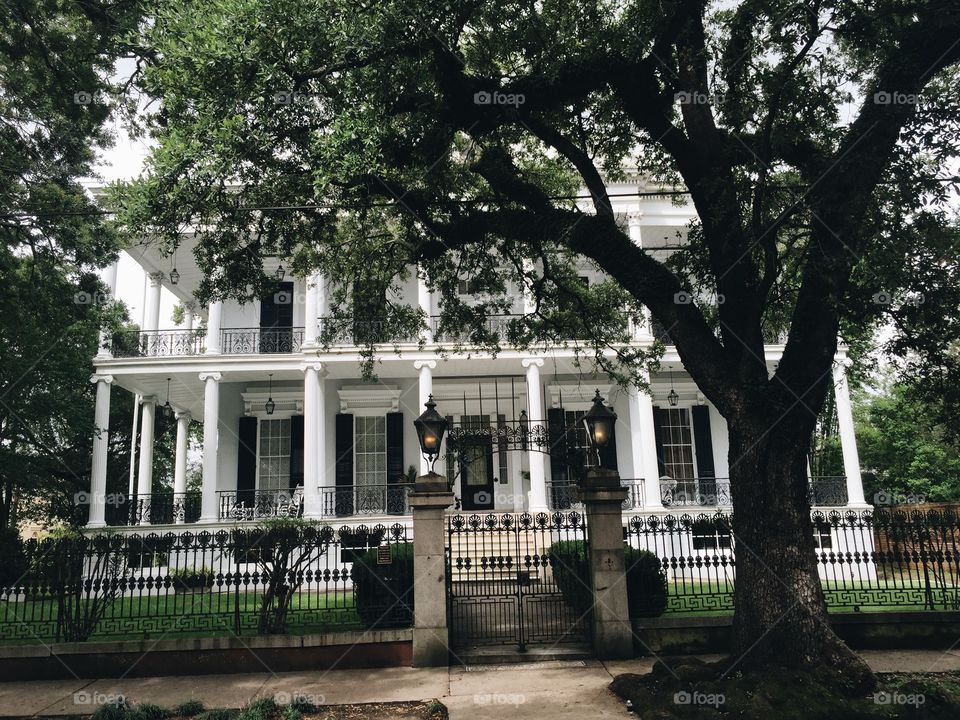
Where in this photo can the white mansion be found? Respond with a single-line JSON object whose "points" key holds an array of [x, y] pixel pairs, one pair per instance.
{"points": [[289, 427]]}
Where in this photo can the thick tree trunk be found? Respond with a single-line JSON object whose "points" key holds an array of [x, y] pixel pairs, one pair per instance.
{"points": [[781, 616]]}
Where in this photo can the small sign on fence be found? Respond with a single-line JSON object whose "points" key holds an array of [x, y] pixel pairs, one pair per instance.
{"points": [[384, 555]]}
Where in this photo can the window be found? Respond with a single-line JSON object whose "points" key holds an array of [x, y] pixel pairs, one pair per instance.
{"points": [[578, 444], [274, 456], [468, 287], [822, 537], [710, 535], [370, 450], [677, 441]]}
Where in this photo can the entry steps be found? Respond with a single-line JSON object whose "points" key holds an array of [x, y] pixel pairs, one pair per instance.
{"points": [[537, 657]]}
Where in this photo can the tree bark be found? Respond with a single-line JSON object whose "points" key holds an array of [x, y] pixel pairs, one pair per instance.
{"points": [[781, 615]]}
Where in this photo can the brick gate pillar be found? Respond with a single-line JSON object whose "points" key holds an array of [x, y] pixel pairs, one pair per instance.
{"points": [[602, 498], [430, 498]]}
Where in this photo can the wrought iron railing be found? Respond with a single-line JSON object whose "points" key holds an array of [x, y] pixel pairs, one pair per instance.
{"points": [[866, 561], [695, 492], [157, 343], [494, 325], [351, 331], [828, 491], [365, 500], [259, 504], [252, 341], [164, 508], [564, 496], [117, 586]]}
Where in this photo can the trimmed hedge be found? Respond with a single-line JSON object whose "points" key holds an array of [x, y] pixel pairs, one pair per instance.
{"points": [[384, 593], [646, 581]]}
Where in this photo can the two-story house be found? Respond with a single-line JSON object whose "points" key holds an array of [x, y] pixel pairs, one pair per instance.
{"points": [[289, 427]]}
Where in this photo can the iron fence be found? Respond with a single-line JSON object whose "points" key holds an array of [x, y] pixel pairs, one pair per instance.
{"points": [[823, 491], [867, 561], [294, 577]]}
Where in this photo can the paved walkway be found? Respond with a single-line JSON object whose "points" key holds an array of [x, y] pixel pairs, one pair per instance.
{"points": [[555, 689]]}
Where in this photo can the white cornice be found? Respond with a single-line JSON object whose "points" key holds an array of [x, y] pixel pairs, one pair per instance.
{"points": [[357, 397]]}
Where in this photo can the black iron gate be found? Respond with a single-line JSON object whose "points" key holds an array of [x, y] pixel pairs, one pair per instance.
{"points": [[509, 582]]}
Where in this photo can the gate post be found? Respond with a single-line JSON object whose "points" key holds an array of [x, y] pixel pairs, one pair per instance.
{"points": [[603, 497], [430, 497]]}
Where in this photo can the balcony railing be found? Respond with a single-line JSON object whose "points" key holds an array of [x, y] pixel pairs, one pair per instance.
{"points": [[564, 496], [253, 341], [365, 500], [165, 508], [259, 504], [347, 331], [715, 492], [157, 343]]}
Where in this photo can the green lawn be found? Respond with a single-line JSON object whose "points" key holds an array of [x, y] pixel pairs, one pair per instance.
{"points": [[186, 615]]}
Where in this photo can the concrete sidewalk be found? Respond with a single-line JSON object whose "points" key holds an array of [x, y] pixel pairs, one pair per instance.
{"points": [[557, 689]]}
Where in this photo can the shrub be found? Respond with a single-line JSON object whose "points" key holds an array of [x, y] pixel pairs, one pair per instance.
{"points": [[646, 581], [384, 593], [262, 709], [216, 715], [149, 711], [14, 565], [191, 578], [188, 708]]}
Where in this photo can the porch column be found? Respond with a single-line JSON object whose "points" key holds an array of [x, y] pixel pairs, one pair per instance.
{"points": [[211, 421], [314, 439], [98, 468], [151, 307], [425, 301], [529, 302], [110, 280], [214, 315], [147, 422], [425, 391], [180, 466], [189, 312], [642, 330], [538, 474], [644, 445], [848, 438], [311, 310]]}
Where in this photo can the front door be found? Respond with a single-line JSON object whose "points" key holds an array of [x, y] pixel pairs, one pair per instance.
{"points": [[476, 474]]}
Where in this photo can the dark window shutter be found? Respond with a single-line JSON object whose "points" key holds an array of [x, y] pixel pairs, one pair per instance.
{"points": [[247, 460], [659, 417], [557, 436], [703, 443], [608, 455], [296, 451], [343, 472], [394, 448]]}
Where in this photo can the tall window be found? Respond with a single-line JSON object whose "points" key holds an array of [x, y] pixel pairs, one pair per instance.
{"points": [[370, 450], [677, 443], [274, 455]]}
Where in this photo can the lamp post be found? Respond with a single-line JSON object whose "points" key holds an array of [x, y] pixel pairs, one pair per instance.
{"points": [[599, 421], [431, 427]]}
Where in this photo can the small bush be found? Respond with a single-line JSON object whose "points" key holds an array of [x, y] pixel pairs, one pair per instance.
{"points": [[384, 593], [14, 565], [112, 711], [188, 708], [149, 711], [262, 709], [291, 713], [646, 581], [215, 715]]}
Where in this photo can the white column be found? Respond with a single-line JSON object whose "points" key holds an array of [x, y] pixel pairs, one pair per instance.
{"points": [[110, 280], [147, 423], [529, 302], [426, 368], [214, 317], [425, 301], [538, 472], [180, 465], [848, 438], [98, 469], [151, 308], [644, 445], [314, 439], [132, 484], [641, 331], [189, 311], [311, 311], [211, 422]]}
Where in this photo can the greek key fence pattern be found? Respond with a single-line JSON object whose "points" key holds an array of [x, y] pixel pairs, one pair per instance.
{"points": [[867, 561]]}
